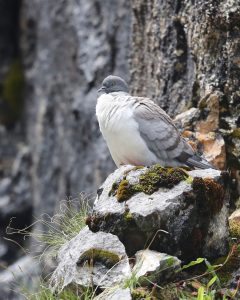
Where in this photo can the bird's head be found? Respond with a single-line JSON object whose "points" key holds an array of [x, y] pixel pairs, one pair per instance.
{"points": [[113, 84]]}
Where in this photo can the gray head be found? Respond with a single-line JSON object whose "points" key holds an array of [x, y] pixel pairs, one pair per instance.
{"points": [[113, 84]]}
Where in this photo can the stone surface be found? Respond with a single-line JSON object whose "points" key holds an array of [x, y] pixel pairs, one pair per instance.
{"points": [[202, 132], [97, 259], [68, 48], [152, 267], [15, 204], [187, 118], [189, 51], [23, 275], [115, 294], [190, 218]]}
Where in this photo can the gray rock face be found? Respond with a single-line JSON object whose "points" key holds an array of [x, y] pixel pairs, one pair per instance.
{"points": [[15, 204], [76, 44], [97, 259], [187, 220], [189, 50], [154, 267]]}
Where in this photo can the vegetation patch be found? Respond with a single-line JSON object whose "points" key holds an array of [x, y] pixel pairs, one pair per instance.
{"points": [[93, 221], [55, 231], [210, 194], [142, 293], [234, 228], [154, 178], [91, 256], [236, 133]]}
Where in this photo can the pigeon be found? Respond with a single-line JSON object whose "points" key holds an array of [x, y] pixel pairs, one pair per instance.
{"points": [[138, 132]]}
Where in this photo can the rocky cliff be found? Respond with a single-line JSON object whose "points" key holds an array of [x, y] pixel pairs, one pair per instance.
{"points": [[183, 54]]}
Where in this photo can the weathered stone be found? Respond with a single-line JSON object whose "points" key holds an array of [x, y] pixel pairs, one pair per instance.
{"points": [[188, 52], [189, 218], [16, 203], [97, 259], [152, 267], [86, 40], [115, 294], [23, 275], [201, 130], [186, 119]]}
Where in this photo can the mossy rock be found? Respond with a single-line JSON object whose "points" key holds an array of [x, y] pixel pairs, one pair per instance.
{"points": [[91, 256], [210, 194], [234, 228], [155, 177]]}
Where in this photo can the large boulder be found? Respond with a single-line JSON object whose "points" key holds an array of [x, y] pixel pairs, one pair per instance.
{"points": [[97, 259], [174, 211]]}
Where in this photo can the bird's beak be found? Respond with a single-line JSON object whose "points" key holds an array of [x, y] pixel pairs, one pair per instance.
{"points": [[102, 89]]}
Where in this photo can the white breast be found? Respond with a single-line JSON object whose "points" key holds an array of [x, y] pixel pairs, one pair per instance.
{"points": [[120, 130]]}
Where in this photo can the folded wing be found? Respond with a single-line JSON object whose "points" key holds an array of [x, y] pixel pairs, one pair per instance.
{"points": [[162, 137]]}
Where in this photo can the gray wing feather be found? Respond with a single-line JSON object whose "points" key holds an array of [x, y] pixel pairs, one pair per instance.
{"points": [[159, 132]]}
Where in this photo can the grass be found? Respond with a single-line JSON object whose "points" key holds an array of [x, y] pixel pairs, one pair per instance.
{"points": [[45, 293], [54, 232]]}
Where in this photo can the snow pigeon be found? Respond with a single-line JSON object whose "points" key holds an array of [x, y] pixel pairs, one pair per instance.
{"points": [[139, 132]]}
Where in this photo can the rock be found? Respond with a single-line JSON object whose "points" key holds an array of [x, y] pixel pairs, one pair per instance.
{"points": [[213, 147], [152, 267], [187, 213], [234, 224], [187, 118], [115, 294], [200, 127], [183, 49], [15, 191], [16, 204], [22, 276], [69, 153], [97, 259]]}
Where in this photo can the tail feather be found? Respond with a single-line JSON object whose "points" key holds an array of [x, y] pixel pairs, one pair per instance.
{"points": [[199, 162]]}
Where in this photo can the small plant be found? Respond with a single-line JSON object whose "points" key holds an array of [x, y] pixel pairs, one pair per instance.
{"points": [[212, 288], [45, 293], [53, 232]]}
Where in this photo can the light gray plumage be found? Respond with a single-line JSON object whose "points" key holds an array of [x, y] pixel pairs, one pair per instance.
{"points": [[138, 131]]}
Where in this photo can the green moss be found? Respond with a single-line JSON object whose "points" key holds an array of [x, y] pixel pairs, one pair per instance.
{"points": [[210, 193], [236, 133], [113, 189], [125, 191], [142, 294], [157, 176], [128, 216], [149, 182], [93, 255], [12, 91], [234, 228]]}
